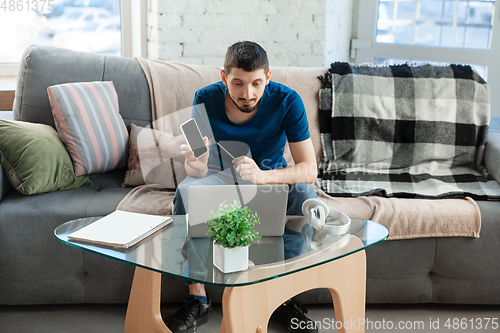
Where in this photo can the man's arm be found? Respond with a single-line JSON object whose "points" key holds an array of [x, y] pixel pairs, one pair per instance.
{"points": [[305, 169]]}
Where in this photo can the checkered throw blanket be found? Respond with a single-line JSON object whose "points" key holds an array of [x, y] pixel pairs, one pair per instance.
{"points": [[405, 131]]}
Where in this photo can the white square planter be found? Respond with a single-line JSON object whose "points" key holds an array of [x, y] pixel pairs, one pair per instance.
{"points": [[230, 260]]}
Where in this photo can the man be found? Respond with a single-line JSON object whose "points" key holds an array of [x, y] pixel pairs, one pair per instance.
{"points": [[245, 106]]}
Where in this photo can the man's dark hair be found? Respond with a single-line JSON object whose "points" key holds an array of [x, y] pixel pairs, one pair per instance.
{"points": [[246, 55]]}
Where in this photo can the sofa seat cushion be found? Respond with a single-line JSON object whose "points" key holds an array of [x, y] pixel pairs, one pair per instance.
{"points": [[107, 180], [44, 269], [441, 270]]}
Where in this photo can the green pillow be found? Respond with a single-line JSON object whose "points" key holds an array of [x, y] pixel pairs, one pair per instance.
{"points": [[35, 160]]}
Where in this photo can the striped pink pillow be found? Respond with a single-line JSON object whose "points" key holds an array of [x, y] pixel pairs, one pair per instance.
{"points": [[89, 123]]}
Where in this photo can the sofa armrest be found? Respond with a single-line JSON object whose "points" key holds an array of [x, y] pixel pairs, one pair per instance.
{"points": [[492, 151], [5, 185]]}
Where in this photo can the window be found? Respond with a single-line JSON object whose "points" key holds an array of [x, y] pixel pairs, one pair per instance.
{"points": [[104, 16], [435, 31], [22, 28], [65, 24], [461, 24]]}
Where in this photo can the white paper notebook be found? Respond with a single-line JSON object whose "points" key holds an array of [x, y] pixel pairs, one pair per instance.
{"points": [[120, 229]]}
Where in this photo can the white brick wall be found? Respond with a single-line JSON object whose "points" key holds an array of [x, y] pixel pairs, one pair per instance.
{"points": [[294, 33]]}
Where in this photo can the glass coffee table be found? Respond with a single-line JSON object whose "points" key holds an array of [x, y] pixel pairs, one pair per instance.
{"points": [[280, 268]]}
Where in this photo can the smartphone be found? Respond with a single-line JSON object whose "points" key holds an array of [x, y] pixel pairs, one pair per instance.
{"points": [[193, 137]]}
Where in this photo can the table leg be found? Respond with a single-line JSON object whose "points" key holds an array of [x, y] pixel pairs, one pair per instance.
{"points": [[143, 311], [248, 308]]}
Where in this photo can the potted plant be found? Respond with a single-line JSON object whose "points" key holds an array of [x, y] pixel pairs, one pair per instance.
{"points": [[231, 230]]}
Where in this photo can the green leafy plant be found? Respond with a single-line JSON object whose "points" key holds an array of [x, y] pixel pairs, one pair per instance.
{"points": [[232, 225]]}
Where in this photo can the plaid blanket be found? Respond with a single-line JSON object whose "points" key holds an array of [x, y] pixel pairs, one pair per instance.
{"points": [[406, 131]]}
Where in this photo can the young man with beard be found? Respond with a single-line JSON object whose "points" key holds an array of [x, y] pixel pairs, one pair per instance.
{"points": [[246, 107]]}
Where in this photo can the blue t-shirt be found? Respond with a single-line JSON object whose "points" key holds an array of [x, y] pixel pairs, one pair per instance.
{"points": [[280, 116]]}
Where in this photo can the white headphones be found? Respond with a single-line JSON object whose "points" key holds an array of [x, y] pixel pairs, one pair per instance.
{"points": [[316, 211]]}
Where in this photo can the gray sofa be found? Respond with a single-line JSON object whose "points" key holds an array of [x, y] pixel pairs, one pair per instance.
{"points": [[35, 268]]}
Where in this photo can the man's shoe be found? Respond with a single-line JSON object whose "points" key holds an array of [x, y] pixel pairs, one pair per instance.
{"points": [[292, 316], [192, 314]]}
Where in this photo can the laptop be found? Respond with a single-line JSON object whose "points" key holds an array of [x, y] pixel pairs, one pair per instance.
{"points": [[269, 201]]}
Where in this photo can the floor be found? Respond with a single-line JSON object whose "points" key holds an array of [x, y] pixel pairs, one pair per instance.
{"points": [[379, 318]]}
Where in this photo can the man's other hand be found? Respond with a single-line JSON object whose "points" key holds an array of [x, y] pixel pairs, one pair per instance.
{"points": [[249, 170]]}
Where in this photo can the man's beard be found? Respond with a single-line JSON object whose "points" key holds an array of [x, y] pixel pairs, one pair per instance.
{"points": [[245, 109]]}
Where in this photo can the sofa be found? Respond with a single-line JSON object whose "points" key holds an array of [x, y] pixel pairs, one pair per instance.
{"points": [[35, 268]]}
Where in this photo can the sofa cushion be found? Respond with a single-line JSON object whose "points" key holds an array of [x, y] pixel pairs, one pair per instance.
{"points": [[492, 151], [155, 157], [89, 123], [43, 66], [35, 160], [35, 267]]}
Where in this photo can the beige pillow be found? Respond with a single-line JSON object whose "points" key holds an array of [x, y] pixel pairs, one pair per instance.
{"points": [[154, 158]]}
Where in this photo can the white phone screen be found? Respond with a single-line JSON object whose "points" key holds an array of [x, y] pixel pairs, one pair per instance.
{"points": [[193, 137]]}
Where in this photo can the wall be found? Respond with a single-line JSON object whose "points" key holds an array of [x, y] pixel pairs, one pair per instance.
{"points": [[294, 33]]}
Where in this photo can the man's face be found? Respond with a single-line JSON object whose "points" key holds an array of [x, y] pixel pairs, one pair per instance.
{"points": [[245, 88]]}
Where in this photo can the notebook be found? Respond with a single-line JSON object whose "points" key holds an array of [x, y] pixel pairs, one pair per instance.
{"points": [[269, 201], [120, 229]]}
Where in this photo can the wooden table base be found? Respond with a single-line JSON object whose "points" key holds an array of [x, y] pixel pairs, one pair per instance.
{"points": [[248, 308], [143, 311]]}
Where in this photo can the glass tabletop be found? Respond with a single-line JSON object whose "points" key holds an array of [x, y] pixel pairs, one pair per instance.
{"points": [[170, 251]]}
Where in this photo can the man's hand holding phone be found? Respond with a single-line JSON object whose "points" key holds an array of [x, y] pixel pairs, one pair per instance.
{"points": [[195, 151], [197, 164]]}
